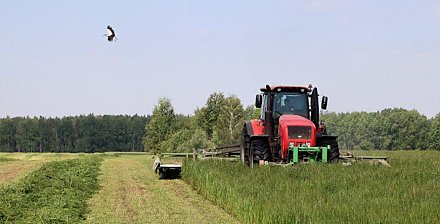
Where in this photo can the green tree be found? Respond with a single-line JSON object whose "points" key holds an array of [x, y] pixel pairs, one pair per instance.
{"points": [[434, 134], [136, 132], [227, 129], [198, 140], [207, 116], [403, 129], [7, 135], [252, 113], [66, 134], [389, 129], [87, 129], [27, 135], [160, 127]]}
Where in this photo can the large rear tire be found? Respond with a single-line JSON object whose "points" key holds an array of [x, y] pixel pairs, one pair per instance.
{"points": [[244, 148], [260, 148], [333, 153]]}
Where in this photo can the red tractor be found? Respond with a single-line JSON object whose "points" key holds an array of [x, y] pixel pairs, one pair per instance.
{"points": [[288, 130]]}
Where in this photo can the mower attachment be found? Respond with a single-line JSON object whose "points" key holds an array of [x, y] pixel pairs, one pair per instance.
{"points": [[308, 154]]}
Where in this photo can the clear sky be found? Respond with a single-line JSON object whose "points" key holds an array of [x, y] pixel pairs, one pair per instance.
{"points": [[364, 55]]}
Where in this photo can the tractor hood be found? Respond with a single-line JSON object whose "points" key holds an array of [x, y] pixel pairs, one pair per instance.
{"points": [[295, 129]]}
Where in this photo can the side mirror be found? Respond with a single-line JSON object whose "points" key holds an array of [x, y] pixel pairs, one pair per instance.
{"points": [[324, 102], [258, 101]]}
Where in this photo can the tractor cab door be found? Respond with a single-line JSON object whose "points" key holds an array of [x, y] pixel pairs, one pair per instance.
{"points": [[264, 107], [314, 114]]}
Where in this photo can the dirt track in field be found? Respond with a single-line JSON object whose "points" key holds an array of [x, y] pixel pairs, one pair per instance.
{"points": [[131, 193]]}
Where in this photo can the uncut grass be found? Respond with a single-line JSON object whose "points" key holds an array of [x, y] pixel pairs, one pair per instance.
{"points": [[57, 192], [407, 192]]}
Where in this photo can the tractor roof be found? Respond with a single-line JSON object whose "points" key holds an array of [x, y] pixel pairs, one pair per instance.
{"points": [[276, 88]]}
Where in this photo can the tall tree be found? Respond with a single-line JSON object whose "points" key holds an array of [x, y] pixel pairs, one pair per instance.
{"points": [[161, 125], [252, 113], [389, 129], [230, 122], [207, 116], [434, 134], [7, 135], [28, 135]]}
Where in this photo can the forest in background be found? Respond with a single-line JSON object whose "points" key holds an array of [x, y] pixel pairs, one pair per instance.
{"points": [[218, 122], [85, 133]]}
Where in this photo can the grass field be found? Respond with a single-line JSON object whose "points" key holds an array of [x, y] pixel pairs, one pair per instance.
{"points": [[66, 188], [407, 192], [132, 193], [14, 170], [122, 188], [57, 192], [14, 166], [40, 156]]}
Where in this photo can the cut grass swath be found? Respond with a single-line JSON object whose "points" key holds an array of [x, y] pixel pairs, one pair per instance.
{"points": [[55, 193], [2, 159]]}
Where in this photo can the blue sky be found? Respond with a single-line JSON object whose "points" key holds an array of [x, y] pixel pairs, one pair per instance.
{"points": [[364, 55]]}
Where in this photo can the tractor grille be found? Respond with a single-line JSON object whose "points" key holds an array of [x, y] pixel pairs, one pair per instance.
{"points": [[299, 132]]}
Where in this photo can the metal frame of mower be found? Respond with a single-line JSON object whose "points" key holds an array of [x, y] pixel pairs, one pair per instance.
{"points": [[308, 154]]}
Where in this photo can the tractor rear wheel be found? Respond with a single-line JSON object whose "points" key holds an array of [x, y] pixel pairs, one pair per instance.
{"points": [[244, 148], [333, 153], [260, 149], [258, 145]]}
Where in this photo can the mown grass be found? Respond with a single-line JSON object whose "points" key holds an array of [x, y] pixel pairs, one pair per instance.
{"points": [[132, 193], [57, 192], [41, 156], [2, 160], [407, 192], [13, 170]]}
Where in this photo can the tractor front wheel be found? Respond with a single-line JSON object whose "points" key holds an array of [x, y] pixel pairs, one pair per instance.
{"points": [[333, 153]]}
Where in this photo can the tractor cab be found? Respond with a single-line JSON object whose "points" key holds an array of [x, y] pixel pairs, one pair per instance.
{"points": [[291, 103], [289, 100]]}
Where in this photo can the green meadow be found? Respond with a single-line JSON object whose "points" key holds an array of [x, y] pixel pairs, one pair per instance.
{"points": [[123, 188], [97, 188], [406, 192]]}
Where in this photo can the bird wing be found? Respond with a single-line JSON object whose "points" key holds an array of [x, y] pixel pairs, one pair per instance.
{"points": [[110, 32]]}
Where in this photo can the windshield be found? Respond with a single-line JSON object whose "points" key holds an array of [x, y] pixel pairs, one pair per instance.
{"points": [[291, 103]]}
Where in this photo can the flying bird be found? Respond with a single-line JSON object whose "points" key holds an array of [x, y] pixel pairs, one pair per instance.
{"points": [[110, 34]]}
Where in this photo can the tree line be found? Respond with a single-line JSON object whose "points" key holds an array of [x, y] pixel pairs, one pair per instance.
{"points": [[218, 122], [85, 133], [388, 129]]}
